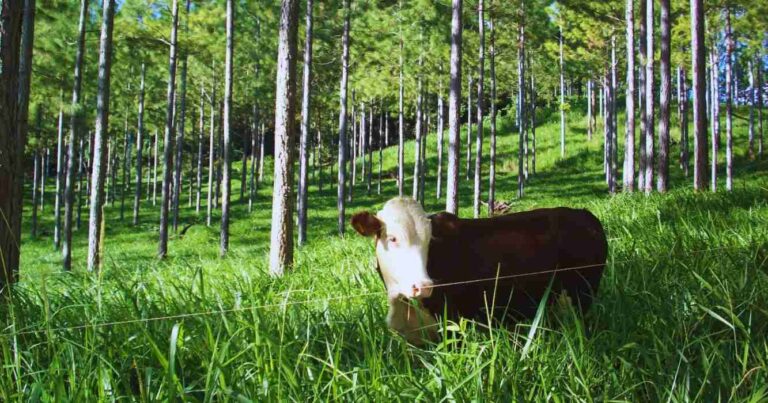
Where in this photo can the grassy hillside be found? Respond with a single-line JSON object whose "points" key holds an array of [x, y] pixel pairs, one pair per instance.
{"points": [[681, 314]]}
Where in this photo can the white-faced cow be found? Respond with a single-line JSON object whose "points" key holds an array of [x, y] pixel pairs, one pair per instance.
{"points": [[463, 267]]}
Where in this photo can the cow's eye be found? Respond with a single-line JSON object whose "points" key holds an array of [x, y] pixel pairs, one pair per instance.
{"points": [[392, 239]]}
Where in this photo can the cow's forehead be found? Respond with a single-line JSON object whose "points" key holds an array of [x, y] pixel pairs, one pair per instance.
{"points": [[406, 216]]}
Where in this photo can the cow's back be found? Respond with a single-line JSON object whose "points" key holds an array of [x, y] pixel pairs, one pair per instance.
{"points": [[525, 250]]}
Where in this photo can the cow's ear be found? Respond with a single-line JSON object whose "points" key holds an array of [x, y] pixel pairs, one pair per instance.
{"points": [[366, 224], [444, 224]]}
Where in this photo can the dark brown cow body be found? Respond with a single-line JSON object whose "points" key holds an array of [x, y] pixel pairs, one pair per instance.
{"points": [[519, 245], [463, 268]]}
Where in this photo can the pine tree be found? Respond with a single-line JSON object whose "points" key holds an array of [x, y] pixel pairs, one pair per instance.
{"points": [[281, 243], [95, 224], [454, 110]]}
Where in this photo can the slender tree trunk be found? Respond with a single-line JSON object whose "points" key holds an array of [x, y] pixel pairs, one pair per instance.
{"points": [[162, 249], [353, 149], [480, 107], [401, 127], [589, 106], [82, 170], [454, 111], [179, 131], [43, 175], [95, 225], [254, 153], [521, 103], [641, 94], [729, 84], [220, 145], [281, 245], [381, 150], [759, 109], [492, 168], [74, 127], [35, 177], [417, 139], [683, 119], [649, 99], [200, 134], [752, 96], [715, 105], [370, 149], [226, 182], [665, 98], [60, 174], [440, 129], [211, 155], [263, 133], [533, 120], [139, 147], [629, 143], [614, 156], [469, 126], [305, 128], [155, 152], [698, 66], [562, 97]]}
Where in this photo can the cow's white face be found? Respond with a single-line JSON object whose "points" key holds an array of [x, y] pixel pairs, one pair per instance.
{"points": [[403, 232]]}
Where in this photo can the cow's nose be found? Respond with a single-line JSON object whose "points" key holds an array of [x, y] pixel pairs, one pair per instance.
{"points": [[422, 289]]}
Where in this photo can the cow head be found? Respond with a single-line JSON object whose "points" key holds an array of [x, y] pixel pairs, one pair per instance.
{"points": [[402, 231]]}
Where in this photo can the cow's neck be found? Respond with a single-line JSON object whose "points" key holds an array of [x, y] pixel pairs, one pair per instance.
{"points": [[412, 321]]}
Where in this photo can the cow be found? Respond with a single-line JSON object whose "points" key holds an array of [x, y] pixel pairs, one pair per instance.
{"points": [[462, 268]]}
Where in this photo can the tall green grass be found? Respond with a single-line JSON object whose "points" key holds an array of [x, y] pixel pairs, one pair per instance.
{"points": [[681, 313]]}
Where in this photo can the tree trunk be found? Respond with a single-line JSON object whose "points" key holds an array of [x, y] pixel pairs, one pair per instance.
{"points": [[480, 107], [401, 127], [95, 225], [74, 127], [305, 128], [759, 109], [665, 98], [263, 133], [381, 150], [211, 154], [521, 103], [440, 129], [162, 249], [370, 149], [641, 94], [342, 172], [60, 174], [492, 168], [683, 110], [254, 154], [533, 120], [43, 171], [562, 97], [590, 109], [715, 106], [139, 146], [649, 99], [155, 151], [200, 135], [179, 130], [729, 45], [417, 140], [629, 142], [226, 182], [752, 96], [698, 66], [614, 156], [35, 177], [469, 126], [281, 244], [454, 111]]}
